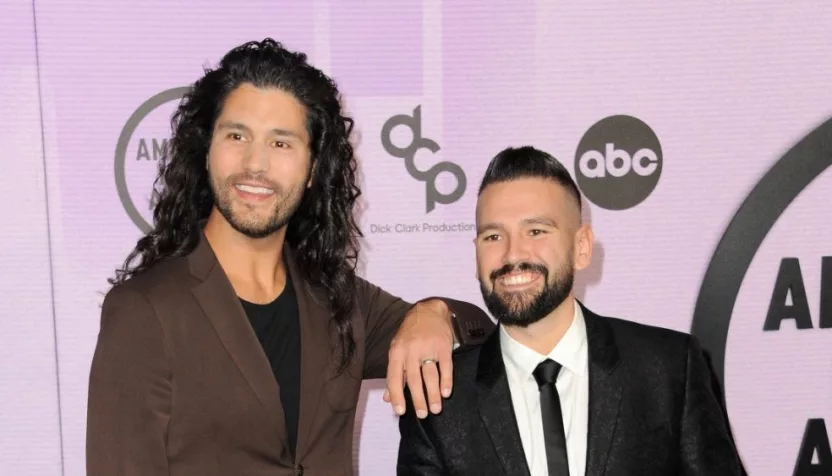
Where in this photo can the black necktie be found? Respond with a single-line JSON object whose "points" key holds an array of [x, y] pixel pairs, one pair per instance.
{"points": [[546, 373]]}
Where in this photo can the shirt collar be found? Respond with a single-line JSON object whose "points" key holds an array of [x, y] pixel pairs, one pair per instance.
{"points": [[570, 352]]}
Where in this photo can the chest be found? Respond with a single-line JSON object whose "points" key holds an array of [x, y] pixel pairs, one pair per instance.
{"points": [[225, 369], [573, 394]]}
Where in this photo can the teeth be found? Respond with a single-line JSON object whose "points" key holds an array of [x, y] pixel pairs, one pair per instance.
{"points": [[517, 279], [257, 190]]}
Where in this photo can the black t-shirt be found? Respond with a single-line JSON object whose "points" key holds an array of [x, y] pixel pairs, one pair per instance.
{"points": [[278, 329]]}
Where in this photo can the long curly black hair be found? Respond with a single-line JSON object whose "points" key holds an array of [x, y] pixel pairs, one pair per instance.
{"points": [[322, 232]]}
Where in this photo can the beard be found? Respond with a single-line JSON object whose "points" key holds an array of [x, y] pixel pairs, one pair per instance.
{"points": [[524, 308], [244, 218]]}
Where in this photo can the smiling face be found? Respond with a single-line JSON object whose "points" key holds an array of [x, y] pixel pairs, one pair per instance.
{"points": [[259, 161], [529, 243]]}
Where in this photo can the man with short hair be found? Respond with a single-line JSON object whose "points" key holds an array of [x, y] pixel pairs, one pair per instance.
{"points": [[559, 390]]}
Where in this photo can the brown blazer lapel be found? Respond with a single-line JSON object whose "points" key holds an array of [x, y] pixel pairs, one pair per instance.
{"points": [[222, 307], [316, 363]]}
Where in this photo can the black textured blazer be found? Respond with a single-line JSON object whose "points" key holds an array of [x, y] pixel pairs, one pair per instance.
{"points": [[652, 411]]}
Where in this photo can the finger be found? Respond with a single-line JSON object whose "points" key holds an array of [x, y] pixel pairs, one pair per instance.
{"points": [[446, 372], [430, 375], [395, 381], [386, 396], [413, 373]]}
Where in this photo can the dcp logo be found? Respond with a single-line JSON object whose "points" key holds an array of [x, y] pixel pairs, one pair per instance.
{"points": [[618, 162], [141, 144], [414, 123]]}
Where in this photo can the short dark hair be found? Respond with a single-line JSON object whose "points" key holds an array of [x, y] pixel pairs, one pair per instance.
{"points": [[528, 162]]}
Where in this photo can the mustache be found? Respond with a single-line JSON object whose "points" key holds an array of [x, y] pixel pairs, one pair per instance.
{"points": [[513, 268]]}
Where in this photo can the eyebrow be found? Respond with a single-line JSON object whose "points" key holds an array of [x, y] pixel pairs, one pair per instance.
{"points": [[243, 127], [540, 221], [489, 226], [528, 221]]}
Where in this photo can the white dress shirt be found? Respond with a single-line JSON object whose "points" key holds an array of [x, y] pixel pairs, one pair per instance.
{"points": [[573, 390]]}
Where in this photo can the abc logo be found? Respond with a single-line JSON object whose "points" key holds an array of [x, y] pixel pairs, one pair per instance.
{"points": [[618, 162]]}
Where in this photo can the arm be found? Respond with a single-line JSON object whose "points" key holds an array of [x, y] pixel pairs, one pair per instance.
{"points": [[385, 314], [417, 454], [706, 445], [400, 336], [130, 391]]}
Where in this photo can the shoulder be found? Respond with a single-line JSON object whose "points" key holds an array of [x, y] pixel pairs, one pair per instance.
{"points": [[155, 283], [367, 292], [648, 345], [466, 360], [637, 334], [474, 362]]}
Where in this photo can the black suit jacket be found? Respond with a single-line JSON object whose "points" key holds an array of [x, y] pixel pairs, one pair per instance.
{"points": [[652, 411]]}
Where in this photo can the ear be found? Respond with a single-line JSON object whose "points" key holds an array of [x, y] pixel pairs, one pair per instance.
{"points": [[476, 260], [584, 239]]}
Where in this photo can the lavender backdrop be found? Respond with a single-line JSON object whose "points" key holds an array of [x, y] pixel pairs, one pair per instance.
{"points": [[727, 90]]}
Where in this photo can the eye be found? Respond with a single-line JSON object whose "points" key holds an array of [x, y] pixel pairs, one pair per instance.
{"points": [[235, 136], [493, 237], [535, 232], [280, 144]]}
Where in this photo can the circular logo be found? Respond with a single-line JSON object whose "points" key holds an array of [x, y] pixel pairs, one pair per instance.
{"points": [[142, 143], [786, 298], [618, 162], [802, 164]]}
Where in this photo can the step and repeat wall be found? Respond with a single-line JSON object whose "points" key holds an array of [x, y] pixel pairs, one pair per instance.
{"points": [[699, 133]]}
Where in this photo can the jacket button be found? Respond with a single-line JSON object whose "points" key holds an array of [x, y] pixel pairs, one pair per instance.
{"points": [[299, 470]]}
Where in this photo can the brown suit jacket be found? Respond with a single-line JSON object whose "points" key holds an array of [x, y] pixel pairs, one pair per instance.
{"points": [[180, 385]]}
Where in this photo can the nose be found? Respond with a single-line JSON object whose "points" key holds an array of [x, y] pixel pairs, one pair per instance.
{"points": [[257, 158], [517, 250]]}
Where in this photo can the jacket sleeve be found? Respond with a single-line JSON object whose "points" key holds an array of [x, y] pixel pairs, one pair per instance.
{"points": [[383, 314], [417, 454], [706, 444], [129, 391]]}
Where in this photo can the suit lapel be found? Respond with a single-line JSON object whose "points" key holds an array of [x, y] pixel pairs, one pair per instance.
{"points": [[223, 309], [604, 391], [496, 409], [315, 331]]}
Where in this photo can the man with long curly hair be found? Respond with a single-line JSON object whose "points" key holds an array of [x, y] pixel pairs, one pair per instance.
{"points": [[237, 334]]}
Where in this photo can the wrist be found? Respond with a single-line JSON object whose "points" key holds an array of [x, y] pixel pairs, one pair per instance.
{"points": [[448, 316], [437, 306]]}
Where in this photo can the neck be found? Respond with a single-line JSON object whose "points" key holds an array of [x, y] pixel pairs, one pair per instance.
{"points": [[544, 335], [254, 266]]}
